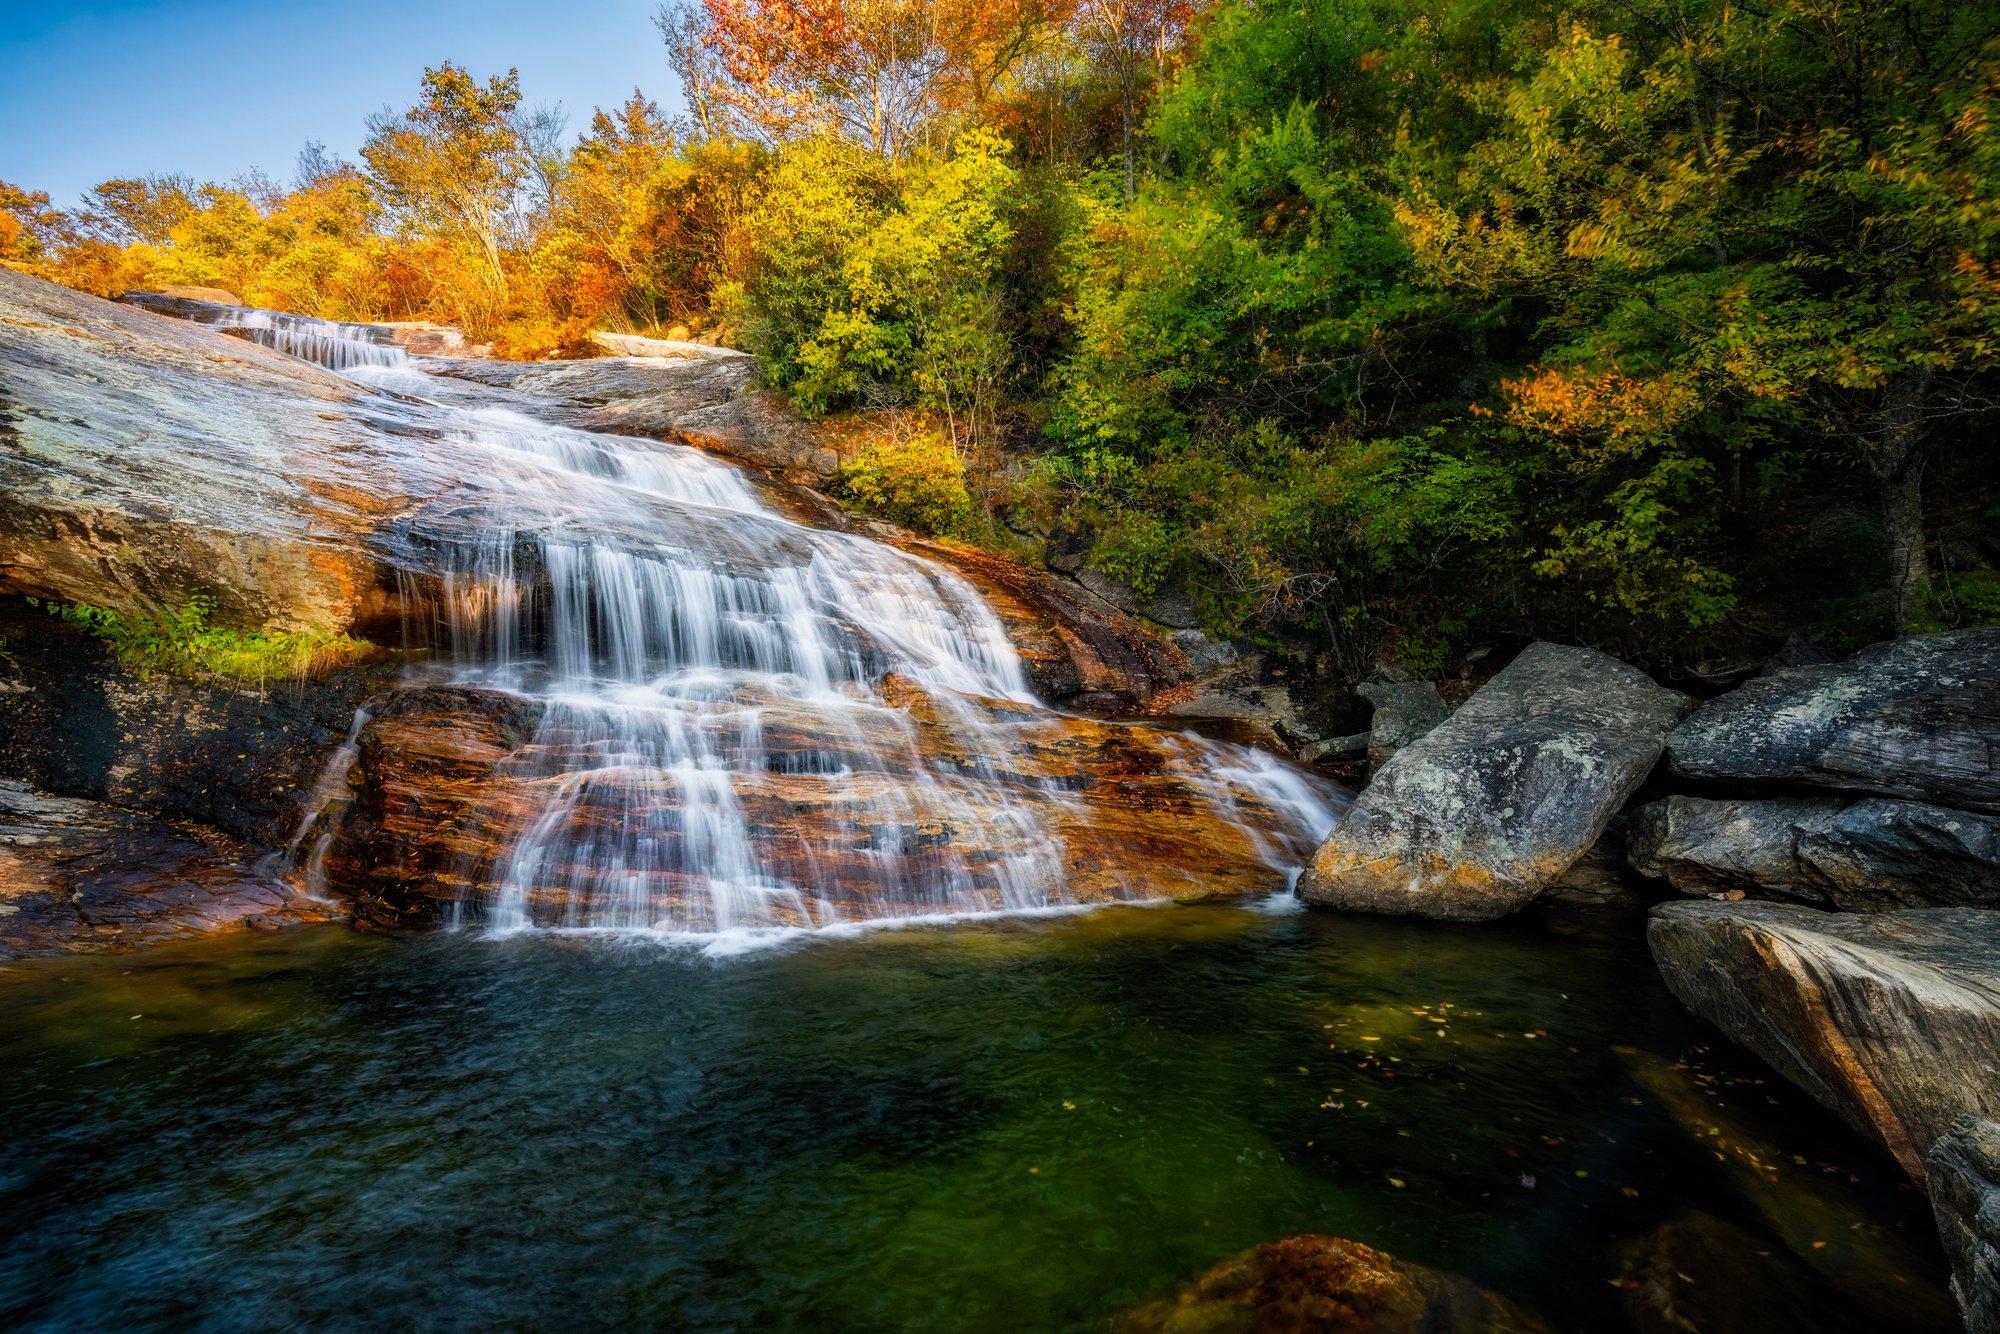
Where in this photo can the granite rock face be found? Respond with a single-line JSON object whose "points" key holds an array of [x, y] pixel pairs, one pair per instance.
{"points": [[1891, 1019], [1866, 855], [1965, 1194], [1479, 816], [1916, 717], [144, 460], [709, 402]]}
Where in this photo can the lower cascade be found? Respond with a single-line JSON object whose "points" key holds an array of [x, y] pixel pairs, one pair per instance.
{"points": [[742, 723]]}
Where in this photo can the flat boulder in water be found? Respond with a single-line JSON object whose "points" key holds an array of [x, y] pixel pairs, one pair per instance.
{"points": [[1916, 717], [1312, 1284], [1477, 817], [1891, 1019], [80, 877]]}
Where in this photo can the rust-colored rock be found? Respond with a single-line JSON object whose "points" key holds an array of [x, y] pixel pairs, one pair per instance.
{"points": [[1318, 1285], [1078, 648], [78, 877]]}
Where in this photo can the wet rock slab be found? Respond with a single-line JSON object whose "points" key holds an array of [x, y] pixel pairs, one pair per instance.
{"points": [[1482, 813], [1311, 1284], [1891, 1019], [448, 779], [79, 877]]}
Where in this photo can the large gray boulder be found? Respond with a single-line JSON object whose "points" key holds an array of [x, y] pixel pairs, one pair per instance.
{"points": [[1869, 854], [1476, 818], [1891, 1019], [1965, 1194], [1916, 717]]}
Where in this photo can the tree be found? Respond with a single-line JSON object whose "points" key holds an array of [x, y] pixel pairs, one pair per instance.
{"points": [[457, 167], [1127, 36], [881, 72]]}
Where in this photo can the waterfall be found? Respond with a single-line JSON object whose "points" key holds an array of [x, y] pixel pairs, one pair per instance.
{"points": [[328, 343], [745, 723]]}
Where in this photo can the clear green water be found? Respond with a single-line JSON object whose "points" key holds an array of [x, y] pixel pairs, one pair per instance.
{"points": [[1025, 1125]]}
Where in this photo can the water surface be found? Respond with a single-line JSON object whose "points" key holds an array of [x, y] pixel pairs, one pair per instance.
{"points": [[1003, 1125]]}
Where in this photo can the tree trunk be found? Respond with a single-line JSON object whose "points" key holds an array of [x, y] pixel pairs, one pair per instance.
{"points": [[1903, 531], [1126, 91]]}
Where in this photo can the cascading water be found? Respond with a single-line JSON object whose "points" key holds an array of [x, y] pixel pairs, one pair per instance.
{"points": [[744, 723], [336, 346]]}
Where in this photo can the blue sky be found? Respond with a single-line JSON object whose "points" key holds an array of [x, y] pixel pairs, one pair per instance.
{"points": [[211, 88]]}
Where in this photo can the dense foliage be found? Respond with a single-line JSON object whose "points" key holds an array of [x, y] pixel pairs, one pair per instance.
{"points": [[1376, 326]]}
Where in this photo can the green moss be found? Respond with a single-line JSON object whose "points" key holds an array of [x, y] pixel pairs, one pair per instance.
{"points": [[181, 642]]}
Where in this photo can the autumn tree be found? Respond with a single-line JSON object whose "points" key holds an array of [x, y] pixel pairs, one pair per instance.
{"points": [[459, 167], [880, 72]]}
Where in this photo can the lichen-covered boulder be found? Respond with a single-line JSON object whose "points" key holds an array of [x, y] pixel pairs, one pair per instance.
{"points": [[1867, 855], [1965, 1194], [1916, 717], [1891, 1019], [1316, 1284], [1480, 815]]}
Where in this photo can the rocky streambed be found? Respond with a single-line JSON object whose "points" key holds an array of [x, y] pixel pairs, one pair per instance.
{"points": [[567, 673]]}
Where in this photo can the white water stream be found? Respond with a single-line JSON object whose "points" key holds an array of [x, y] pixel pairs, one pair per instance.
{"points": [[736, 710]]}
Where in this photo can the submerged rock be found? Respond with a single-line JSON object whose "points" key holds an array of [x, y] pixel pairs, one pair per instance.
{"points": [[1891, 1019], [1866, 855], [1479, 816], [1916, 717], [1701, 1275], [79, 877], [1307, 1284], [1965, 1193]]}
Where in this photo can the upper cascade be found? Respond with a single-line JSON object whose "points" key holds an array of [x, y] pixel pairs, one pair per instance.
{"points": [[329, 343]]}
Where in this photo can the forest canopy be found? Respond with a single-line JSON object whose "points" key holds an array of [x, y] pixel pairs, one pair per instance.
{"points": [[1375, 328]]}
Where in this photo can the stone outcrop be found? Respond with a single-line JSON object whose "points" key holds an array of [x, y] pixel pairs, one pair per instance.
{"points": [[1405, 711], [669, 349], [1858, 855], [1891, 1019], [80, 877], [446, 776], [1079, 649], [1475, 819], [1315, 1284], [232, 755], [1916, 718], [1965, 1194], [145, 460]]}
